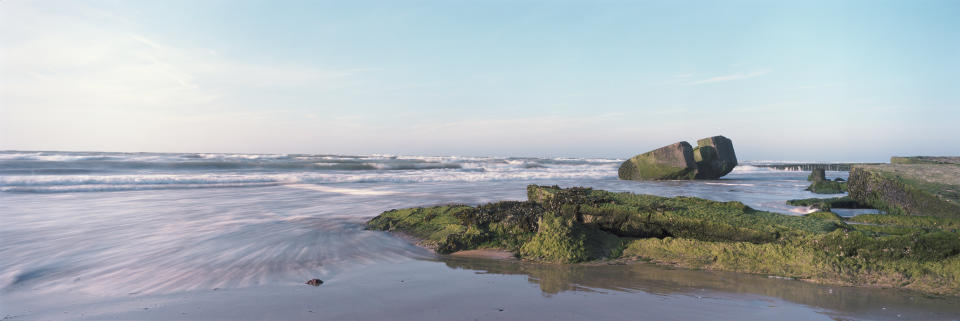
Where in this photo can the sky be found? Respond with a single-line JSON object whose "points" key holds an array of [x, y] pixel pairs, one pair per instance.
{"points": [[803, 80]]}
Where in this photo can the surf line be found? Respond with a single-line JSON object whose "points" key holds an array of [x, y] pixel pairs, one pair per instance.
{"points": [[340, 190]]}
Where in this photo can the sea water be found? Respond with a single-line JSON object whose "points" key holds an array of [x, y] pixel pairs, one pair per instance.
{"points": [[112, 235]]}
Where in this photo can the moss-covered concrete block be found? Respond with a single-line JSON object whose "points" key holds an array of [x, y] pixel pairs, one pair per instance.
{"points": [[567, 225], [817, 175], [828, 187], [912, 189], [632, 215], [673, 161], [714, 157], [564, 240], [825, 204], [925, 160]]}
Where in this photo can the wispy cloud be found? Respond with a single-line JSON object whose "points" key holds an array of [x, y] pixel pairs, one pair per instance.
{"points": [[731, 77]]}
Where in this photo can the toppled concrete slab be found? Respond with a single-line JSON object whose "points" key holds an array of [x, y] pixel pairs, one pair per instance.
{"points": [[713, 158]]}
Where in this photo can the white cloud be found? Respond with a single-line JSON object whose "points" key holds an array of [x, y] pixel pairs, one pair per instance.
{"points": [[731, 77]]}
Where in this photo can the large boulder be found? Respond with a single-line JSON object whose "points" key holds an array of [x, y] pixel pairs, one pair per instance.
{"points": [[673, 161], [714, 157]]}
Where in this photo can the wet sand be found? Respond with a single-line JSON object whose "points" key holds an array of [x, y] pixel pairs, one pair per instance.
{"points": [[244, 254], [466, 288]]}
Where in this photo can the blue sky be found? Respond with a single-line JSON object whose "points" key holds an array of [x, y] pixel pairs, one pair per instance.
{"points": [[827, 81]]}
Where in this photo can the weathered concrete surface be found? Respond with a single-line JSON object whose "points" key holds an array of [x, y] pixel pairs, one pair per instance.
{"points": [[673, 161], [925, 160], [581, 224], [817, 175], [714, 157], [912, 189]]}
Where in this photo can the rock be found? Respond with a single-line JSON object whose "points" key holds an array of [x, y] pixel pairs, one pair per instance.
{"points": [[315, 282], [908, 189], [673, 161], [817, 175], [822, 185], [581, 224], [828, 187], [714, 157], [825, 204]]}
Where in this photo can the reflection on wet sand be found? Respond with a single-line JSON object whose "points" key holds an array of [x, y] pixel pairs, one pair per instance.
{"points": [[664, 280]]}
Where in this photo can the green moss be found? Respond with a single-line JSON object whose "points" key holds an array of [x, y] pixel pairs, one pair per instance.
{"points": [[931, 222], [582, 224], [828, 187], [881, 230], [769, 258], [631, 215], [818, 174], [925, 190], [830, 216], [704, 154], [919, 246], [558, 240], [646, 167], [825, 204], [815, 258], [925, 160], [423, 222], [448, 229]]}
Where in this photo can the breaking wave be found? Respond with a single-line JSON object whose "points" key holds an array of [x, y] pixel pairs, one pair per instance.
{"points": [[53, 172]]}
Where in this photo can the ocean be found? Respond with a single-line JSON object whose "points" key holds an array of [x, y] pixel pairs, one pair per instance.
{"points": [[91, 235]]}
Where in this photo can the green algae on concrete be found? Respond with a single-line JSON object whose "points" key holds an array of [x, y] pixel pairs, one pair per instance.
{"points": [[821, 185], [568, 225], [452, 228], [804, 259], [828, 187], [929, 222], [633, 215], [825, 204], [824, 215], [925, 160], [715, 157], [817, 174], [911, 189], [673, 161], [563, 240], [712, 158]]}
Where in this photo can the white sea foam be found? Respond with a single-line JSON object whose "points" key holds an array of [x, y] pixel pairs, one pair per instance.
{"points": [[192, 179], [729, 184], [341, 190], [802, 210]]}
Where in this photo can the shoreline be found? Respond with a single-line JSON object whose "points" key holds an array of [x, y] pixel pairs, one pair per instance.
{"points": [[585, 226], [506, 256]]}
